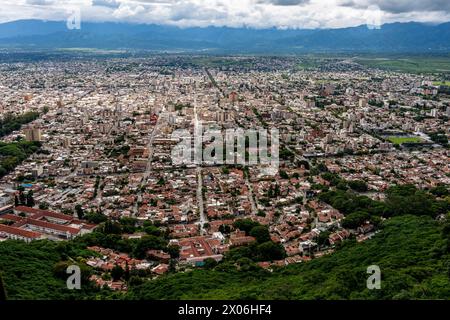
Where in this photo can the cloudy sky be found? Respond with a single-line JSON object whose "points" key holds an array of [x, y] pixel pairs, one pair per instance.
{"points": [[234, 13]]}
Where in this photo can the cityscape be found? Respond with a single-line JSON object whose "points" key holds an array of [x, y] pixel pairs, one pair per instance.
{"points": [[188, 175]]}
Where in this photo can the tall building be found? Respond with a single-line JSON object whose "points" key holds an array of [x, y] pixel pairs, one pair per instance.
{"points": [[33, 134], [362, 103]]}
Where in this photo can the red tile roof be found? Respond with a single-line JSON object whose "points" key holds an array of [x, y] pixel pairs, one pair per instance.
{"points": [[38, 213], [48, 225], [19, 232]]}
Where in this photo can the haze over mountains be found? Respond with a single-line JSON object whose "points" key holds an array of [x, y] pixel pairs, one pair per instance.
{"points": [[390, 38]]}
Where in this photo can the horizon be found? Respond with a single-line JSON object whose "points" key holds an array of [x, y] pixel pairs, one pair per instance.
{"points": [[430, 24], [258, 14]]}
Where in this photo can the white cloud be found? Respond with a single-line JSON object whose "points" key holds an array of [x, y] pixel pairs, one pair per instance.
{"points": [[234, 13]]}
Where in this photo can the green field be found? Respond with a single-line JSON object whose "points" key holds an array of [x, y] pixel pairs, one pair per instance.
{"points": [[442, 83], [92, 50], [400, 140], [409, 64]]}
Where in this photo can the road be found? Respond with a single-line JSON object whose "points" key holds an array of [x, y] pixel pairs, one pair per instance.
{"points": [[200, 203], [148, 168], [252, 198]]}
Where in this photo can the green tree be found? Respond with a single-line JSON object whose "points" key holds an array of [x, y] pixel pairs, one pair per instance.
{"points": [[2, 290], [283, 175], [80, 212], [269, 251], [245, 225], [358, 185], [261, 234], [30, 200], [209, 263], [22, 198], [174, 251], [355, 219], [322, 239], [43, 205], [117, 272]]}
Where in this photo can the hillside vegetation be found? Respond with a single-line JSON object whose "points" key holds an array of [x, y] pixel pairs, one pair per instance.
{"points": [[412, 252]]}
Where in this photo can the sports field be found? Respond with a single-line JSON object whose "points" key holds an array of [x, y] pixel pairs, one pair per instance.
{"points": [[400, 140]]}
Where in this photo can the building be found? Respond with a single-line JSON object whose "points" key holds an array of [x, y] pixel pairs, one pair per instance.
{"points": [[8, 232], [43, 224], [33, 134], [196, 250]]}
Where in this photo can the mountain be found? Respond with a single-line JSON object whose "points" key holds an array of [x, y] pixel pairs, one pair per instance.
{"points": [[395, 38]]}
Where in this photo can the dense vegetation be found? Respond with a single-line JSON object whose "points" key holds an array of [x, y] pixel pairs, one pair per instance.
{"points": [[11, 122], [12, 154], [412, 252], [400, 200], [28, 271]]}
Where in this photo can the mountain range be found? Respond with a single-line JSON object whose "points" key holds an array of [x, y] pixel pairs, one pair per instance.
{"points": [[409, 37]]}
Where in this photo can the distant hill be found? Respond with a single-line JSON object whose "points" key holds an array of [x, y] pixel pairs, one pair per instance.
{"points": [[391, 38]]}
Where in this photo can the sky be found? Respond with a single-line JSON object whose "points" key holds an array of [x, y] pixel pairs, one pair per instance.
{"points": [[233, 13]]}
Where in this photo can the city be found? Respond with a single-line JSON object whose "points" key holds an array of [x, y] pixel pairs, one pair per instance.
{"points": [[220, 159], [105, 135]]}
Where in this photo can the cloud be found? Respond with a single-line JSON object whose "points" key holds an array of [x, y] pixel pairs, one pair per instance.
{"points": [[40, 2], [127, 11], [284, 2], [400, 6], [106, 3], [233, 13]]}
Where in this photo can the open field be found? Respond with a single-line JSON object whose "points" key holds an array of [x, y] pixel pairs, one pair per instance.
{"points": [[400, 140], [442, 83], [410, 64]]}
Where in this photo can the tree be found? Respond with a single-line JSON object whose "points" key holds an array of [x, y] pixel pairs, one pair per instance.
{"points": [[261, 234], [152, 230], [407, 199], [440, 190], [245, 225], [111, 227], [117, 272], [148, 243], [284, 175], [126, 274], [135, 281], [209, 263], [80, 212], [358, 185], [355, 219], [22, 198], [96, 217], [43, 205], [30, 200], [2, 290], [224, 228], [174, 251], [269, 251], [322, 239]]}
